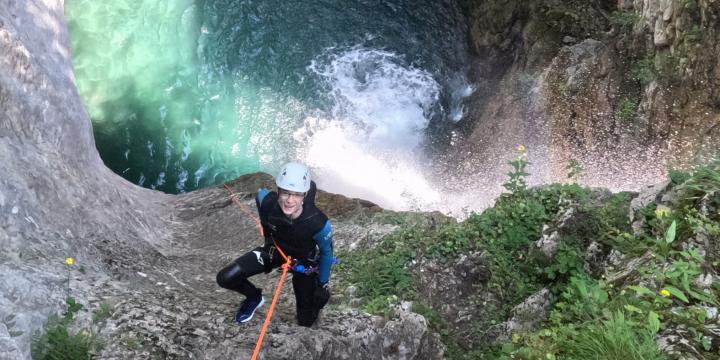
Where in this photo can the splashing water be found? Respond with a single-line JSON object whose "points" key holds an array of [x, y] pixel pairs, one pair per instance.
{"points": [[371, 147], [190, 93]]}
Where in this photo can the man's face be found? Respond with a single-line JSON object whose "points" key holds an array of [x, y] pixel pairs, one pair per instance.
{"points": [[290, 202]]}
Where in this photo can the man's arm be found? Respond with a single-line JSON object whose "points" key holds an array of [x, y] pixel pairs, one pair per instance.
{"points": [[323, 238]]}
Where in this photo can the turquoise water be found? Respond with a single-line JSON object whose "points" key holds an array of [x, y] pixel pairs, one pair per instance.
{"points": [[185, 94]]}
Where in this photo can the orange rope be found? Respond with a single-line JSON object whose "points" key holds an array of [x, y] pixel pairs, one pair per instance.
{"points": [[285, 267], [244, 209], [258, 345]]}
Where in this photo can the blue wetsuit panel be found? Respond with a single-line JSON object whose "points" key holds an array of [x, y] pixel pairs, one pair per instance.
{"points": [[323, 238], [262, 193]]}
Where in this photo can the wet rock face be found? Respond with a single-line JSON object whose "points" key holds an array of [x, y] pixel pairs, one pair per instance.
{"points": [[57, 199], [623, 87]]}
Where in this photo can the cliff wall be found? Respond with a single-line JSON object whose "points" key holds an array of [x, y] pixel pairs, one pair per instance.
{"points": [[626, 88]]}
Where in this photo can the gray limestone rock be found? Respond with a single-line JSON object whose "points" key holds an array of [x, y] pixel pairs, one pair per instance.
{"points": [[548, 242], [525, 317], [645, 197]]}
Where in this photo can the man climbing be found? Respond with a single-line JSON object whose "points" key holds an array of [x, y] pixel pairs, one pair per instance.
{"points": [[292, 224]]}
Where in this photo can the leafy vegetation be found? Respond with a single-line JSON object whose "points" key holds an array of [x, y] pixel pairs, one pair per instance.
{"points": [[644, 70], [60, 342], [627, 109], [616, 314], [624, 18]]}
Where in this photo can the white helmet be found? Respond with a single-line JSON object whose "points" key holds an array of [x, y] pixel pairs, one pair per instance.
{"points": [[294, 176]]}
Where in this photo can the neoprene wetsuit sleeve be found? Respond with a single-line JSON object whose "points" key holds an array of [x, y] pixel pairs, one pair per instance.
{"points": [[323, 238]]}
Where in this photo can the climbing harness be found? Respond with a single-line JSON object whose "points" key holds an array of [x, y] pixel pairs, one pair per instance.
{"points": [[285, 267]]}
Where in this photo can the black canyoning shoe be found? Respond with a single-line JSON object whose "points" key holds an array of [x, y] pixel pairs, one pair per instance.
{"points": [[247, 309]]}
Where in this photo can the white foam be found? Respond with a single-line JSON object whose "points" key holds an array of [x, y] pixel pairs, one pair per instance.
{"points": [[389, 103], [369, 147]]}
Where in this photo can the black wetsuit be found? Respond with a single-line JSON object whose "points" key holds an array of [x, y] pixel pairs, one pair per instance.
{"points": [[308, 239]]}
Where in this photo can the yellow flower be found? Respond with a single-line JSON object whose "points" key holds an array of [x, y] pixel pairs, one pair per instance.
{"points": [[662, 212], [69, 261], [665, 293], [521, 148], [515, 338]]}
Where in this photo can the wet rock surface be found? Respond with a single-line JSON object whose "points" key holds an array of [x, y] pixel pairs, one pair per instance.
{"points": [[620, 86]]}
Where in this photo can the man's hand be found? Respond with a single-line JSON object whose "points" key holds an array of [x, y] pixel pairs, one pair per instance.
{"points": [[321, 295]]}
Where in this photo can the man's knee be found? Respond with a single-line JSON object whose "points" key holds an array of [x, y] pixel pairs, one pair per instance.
{"points": [[230, 275]]}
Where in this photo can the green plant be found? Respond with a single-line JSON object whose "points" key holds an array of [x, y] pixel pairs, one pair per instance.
{"points": [[705, 181], [593, 317], [664, 244], [690, 4], [617, 338], [564, 89], [452, 240], [644, 70], [624, 18], [381, 275], [702, 224], [73, 308], [101, 313], [431, 315], [628, 109], [134, 342], [677, 177], [694, 35], [59, 342], [567, 261], [381, 305], [581, 301], [516, 182]]}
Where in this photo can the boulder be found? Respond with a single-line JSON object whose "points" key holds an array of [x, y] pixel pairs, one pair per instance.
{"points": [[526, 316]]}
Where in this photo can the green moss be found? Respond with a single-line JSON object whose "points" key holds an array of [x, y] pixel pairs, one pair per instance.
{"points": [[624, 19], [627, 111], [644, 70]]}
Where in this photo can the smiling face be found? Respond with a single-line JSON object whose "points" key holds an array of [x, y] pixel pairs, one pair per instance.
{"points": [[290, 203]]}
